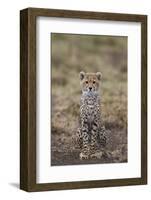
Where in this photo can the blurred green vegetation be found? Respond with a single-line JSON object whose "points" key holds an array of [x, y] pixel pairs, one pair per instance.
{"points": [[70, 54]]}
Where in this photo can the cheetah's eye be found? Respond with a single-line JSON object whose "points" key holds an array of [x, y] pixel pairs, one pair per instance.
{"points": [[93, 82], [86, 82]]}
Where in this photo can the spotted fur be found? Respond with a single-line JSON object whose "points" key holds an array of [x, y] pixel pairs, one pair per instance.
{"points": [[91, 134]]}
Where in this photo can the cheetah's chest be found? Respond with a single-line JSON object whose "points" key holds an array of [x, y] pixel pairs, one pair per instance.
{"points": [[91, 112], [90, 109]]}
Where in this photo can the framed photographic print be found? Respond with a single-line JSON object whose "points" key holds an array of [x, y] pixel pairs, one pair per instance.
{"points": [[83, 99]]}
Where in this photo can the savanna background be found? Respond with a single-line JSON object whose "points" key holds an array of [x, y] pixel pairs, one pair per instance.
{"points": [[70, 54]]}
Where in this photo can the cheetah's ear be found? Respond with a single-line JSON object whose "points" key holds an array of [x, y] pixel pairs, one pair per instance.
{"points": [[82, 74], [99, 75]]}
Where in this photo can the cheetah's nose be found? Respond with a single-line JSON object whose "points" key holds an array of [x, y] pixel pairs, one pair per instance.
{"points": [[90, 88]]}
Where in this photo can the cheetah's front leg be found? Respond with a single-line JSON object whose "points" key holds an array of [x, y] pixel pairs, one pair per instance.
{"points": [[85, 143], [93, 143], [93, 147]]}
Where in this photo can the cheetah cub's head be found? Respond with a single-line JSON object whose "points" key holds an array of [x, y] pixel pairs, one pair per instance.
{"points": [[90, 82]]}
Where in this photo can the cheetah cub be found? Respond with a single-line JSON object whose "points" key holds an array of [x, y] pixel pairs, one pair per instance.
{"points": [[91, 134]]}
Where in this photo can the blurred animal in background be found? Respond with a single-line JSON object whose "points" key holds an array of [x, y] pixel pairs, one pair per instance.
{"points": [[91, 135]]}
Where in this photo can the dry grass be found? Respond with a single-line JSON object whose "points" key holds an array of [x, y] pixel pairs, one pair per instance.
{"points": [[70, 55]]}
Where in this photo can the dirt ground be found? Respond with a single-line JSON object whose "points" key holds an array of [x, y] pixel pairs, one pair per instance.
{"points": [[70, 55]]}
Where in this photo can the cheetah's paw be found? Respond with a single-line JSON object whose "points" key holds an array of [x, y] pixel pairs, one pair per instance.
{"points": [[83, 156]]}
